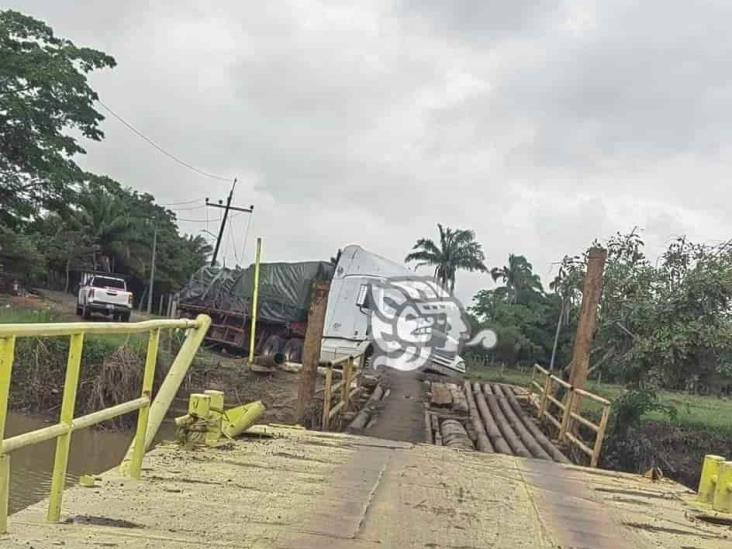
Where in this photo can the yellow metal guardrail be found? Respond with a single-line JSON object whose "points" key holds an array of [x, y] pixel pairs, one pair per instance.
{"points": [[571, 412], [150, 414]]}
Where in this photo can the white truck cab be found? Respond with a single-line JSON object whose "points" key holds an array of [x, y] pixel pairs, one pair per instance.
{"points": [[104, 294], [347, 329]]}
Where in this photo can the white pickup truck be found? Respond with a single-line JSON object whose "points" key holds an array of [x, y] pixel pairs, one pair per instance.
{"points": [[106, 295]]}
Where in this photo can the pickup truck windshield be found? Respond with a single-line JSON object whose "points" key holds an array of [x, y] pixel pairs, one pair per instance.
{"points": [[104, 282]]}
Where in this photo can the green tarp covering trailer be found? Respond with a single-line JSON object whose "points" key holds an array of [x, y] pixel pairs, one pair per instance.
{"points": [[284, 298]]}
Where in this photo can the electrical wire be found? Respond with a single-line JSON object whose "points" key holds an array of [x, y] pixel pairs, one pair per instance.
{"points": [[161, 149], [183, 202], [187, 209]]}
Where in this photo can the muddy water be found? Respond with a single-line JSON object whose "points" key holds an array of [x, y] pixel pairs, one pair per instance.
{"points": [[92, 451]]}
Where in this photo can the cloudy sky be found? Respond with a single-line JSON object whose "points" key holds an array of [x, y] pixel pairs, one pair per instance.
{"points": [[541, 124]]}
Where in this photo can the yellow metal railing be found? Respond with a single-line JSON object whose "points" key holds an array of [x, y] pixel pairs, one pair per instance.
{"points": [[542, 397], [150, 414]]}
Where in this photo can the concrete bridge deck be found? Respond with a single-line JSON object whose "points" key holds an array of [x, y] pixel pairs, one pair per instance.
{"points": [[303, 489]]}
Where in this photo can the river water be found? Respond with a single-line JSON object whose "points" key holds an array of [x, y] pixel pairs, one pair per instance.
{"points": [[93, 451]]}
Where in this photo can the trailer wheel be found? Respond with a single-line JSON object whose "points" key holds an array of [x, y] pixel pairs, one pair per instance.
{"points": [[272, 349], [293, 350]]}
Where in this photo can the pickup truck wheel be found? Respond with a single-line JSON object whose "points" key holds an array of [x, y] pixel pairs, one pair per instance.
{"points": [[78, 309], [85, 313], [125, 317]]}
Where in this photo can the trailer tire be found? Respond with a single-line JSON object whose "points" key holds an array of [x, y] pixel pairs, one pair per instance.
{"points": [[272, 347], [292, 350]]}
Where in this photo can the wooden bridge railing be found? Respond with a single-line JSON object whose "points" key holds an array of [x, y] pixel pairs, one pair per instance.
{"points": [[542, 397]]}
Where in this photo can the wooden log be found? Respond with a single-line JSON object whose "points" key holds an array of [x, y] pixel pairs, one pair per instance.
{"points": [[428, 438], [510, 436], [532, 445], [459, 401], [491, 428], [482, 442], [454, 435], [587, 321], [436, 429], [362, 418], [534, 429], [441, 396], [311, 353]]}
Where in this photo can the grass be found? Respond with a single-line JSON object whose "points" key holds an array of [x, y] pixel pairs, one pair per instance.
{"points": [[693, 411]]}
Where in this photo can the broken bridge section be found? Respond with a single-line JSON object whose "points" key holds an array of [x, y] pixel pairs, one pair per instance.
{"points": [[291, 488]]}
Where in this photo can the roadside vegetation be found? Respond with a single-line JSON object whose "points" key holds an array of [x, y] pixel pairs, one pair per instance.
{"points": [[662, 349], [57, 219]]}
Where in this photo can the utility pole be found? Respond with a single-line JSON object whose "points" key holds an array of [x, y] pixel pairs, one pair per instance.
{"points": [[226, 209], [587, 320], [311, 351], [152, 269]]}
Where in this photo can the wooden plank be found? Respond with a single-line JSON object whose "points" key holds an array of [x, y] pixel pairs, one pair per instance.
{"points": [[584, 421], [581, 445], [592, 396], [600, 437]]}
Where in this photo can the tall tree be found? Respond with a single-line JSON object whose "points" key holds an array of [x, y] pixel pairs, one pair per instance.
{"points": [[457, 250], [43, 94], [518, 277]]}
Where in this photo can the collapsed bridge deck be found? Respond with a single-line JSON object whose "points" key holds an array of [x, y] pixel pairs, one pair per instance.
{"points": [[300, 489]]}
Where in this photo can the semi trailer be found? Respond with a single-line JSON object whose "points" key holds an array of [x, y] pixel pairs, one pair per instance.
{"points": [[284, 297]]}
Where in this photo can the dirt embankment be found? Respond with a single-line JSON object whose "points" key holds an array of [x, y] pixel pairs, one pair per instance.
{"points": [[678, 452]]}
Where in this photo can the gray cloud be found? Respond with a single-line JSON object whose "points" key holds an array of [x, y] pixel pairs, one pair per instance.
{"points": [[540, 125]]}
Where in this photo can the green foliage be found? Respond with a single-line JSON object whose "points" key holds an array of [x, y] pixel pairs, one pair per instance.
{"points": [[43, 94], [520, 313], [630, 407], [55, 218], [457, 250]]}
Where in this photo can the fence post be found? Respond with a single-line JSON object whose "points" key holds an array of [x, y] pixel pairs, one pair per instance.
{"points": [[142, 416], [7, 355], [326, 398], [63, 442], [566, 418], [599, 437], [544, 396], [346, 389]]}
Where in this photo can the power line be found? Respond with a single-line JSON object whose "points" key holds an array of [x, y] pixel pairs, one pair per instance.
{"points": [[189, 208], [159, 148], [183, 202]]}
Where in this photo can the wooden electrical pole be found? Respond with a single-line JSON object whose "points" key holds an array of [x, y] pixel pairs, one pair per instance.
{"points": [[587, 319], [311, 352], [226, 209]]}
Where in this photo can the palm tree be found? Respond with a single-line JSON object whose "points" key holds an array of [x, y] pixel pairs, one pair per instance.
{"points": [[457, 250], [106, 223], [518, 276]]}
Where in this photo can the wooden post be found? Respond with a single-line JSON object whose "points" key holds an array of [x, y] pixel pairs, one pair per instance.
{"points": [[347, 378], [566, 417], [325, 422], [311, 351], [544, 397], [587, 320], [599, 437]]}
